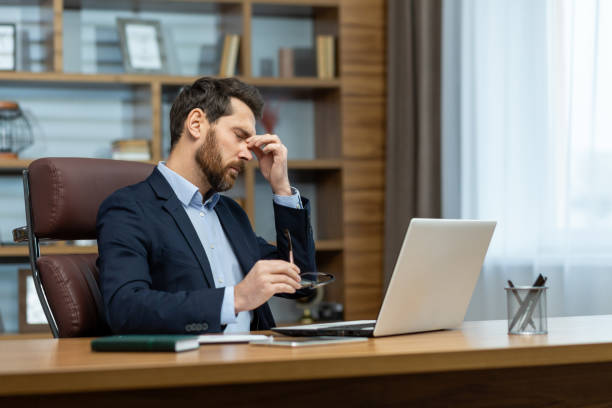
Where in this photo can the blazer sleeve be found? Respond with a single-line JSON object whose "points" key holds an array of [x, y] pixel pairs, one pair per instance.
{"points": [[132, 305], [297, 221]]}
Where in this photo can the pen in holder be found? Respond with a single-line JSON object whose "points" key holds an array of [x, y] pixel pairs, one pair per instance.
{"points": [[527, 308]]}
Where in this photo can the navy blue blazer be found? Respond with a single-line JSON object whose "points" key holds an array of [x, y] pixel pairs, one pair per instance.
{"points": [[154, 273]]}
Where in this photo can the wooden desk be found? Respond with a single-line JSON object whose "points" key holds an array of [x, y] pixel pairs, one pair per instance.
{"points": [[479, 365]]}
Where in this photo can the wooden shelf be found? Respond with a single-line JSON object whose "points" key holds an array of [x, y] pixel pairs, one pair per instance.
{"points": [[293, 82], [330, 3], [17, 251], [16, 166], [102, 4], [308, 164], [322, 245], [329, 245], [142, 79], [313, 3], [68, 4], [315, 164], [13, 166], [62, 77]]}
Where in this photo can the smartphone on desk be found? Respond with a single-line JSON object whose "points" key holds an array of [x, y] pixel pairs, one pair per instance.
{"points": [[286, 341]]}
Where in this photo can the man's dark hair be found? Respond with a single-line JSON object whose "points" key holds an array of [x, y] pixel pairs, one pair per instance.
{"points": [[212, 95]]}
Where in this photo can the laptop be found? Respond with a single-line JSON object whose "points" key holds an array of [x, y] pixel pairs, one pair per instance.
{"points": [[432, 282]]}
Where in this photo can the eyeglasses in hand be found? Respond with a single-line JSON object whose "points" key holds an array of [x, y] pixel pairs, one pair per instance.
{"points": [[310, 280]]}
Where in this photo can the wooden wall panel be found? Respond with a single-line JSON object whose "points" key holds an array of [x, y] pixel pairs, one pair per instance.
{"points": [[364, 174], [363, 32], [364, 84], [364, 13], [364, 267], [363, 124], [366, 206], [363, 300], [363, 73], [363, 237]]}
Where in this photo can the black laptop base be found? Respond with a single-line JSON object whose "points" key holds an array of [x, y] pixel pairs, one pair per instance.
{"points": [[341, 331]]}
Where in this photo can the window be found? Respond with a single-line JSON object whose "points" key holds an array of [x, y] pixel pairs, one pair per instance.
{"points": [[534, 137]]}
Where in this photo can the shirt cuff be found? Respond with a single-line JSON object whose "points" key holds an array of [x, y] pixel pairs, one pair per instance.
{"points": [[227, 307], [292, 201]]}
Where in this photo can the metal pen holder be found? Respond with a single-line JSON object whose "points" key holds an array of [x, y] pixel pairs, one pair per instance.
{"points": [[527, 312]]}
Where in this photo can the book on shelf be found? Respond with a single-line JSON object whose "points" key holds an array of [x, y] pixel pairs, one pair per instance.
{"points": [[285, 62], [229, 55], [331, 56], [326, 56], [304, 62], [320, 56], [131, 149]]}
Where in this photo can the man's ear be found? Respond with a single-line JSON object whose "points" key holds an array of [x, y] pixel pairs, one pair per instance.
{"points": [[196, 124]]}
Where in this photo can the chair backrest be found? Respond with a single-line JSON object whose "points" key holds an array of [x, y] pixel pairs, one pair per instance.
{"points": [[63, 196]]}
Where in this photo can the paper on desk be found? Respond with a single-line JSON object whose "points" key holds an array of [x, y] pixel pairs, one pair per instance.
{"points": [[230, 338]]}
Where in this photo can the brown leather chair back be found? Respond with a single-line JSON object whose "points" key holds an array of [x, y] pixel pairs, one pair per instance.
{"points": [[73, 304], [64, 197]]}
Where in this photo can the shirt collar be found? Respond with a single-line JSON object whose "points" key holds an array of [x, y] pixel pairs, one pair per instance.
{"points": [[185, 191]]}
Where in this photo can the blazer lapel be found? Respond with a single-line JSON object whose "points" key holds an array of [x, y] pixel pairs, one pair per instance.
{"points": [[175, 209]]}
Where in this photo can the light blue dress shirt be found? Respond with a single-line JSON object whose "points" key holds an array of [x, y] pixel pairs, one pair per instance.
{"points": [[223, 262]]}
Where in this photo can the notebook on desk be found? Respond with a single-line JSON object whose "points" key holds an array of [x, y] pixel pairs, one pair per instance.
{"points": [[432, 282]]}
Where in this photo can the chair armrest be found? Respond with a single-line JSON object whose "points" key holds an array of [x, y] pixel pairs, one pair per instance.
{"points": [[20, 234]]}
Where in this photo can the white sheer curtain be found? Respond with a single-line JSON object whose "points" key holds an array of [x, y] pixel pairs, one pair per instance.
{"points": [[534, 129]]}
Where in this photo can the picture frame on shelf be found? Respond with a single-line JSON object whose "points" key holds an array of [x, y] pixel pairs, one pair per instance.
{"points": [[142, 46], [31, 315], [8, 47]]}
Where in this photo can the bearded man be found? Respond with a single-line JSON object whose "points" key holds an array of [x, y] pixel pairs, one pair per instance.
{"points": [[175, 256]]}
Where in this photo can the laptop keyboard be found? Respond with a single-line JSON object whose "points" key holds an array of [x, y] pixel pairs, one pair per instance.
{"points": [[362, 326]]}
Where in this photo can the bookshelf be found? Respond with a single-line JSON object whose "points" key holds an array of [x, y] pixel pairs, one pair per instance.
{"points": [[338, 133]]}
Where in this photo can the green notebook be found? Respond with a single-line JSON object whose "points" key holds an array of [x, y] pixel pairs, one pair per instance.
{"points": [[146, 342]]}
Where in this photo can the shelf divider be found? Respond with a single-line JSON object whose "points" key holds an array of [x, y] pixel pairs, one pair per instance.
{"points": [[245, 46], [58, 35], [156, 121]]}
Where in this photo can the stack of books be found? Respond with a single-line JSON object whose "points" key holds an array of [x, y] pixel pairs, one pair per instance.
{"points": [[132, 149], [326, 57], [229, 55]]}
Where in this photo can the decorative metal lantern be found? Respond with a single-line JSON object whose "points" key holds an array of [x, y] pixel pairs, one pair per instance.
{"points": [[15, 130]]}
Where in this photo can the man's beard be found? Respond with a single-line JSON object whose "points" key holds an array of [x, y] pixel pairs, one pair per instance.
{"points": [[210, 161]]}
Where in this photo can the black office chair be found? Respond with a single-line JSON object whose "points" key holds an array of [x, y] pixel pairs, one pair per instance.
{"points": [[62, 197]]}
